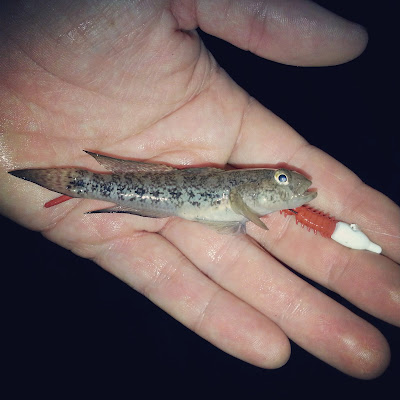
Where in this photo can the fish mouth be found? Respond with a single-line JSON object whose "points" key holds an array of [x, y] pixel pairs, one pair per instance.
{"points": [[301, 197], [304, 194], [307, 196]]}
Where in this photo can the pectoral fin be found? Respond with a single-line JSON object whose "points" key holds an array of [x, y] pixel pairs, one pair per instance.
{"points": [[240, 207]]}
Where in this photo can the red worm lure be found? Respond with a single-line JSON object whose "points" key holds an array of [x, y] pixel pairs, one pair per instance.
{"points": [[348, 235], [313, 219]]}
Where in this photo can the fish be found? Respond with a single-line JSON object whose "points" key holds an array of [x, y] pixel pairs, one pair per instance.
{"points": [[221, 199]]}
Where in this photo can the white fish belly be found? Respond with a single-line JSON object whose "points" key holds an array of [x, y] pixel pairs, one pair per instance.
{"points": [[210, 213]]}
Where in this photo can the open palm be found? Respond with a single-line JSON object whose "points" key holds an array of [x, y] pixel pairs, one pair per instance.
{"points": [[133, 80]]}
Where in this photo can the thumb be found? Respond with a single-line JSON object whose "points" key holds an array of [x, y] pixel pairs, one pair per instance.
{"points": [[295, 32]]}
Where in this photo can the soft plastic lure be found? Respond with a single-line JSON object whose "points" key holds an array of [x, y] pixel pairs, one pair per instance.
{"points": [[313, 219], [348, 235]]}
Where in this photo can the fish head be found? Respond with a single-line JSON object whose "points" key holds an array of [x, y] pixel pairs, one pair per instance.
{"points": [[283, 189]]}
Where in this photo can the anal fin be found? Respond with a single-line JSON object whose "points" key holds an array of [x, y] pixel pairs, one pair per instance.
{"points": [[129, 210]]}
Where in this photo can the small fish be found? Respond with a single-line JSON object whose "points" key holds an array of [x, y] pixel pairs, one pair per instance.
{"points": [[222, 199]]}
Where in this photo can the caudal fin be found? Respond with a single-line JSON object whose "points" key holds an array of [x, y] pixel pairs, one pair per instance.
{"points": [[60, 180]]}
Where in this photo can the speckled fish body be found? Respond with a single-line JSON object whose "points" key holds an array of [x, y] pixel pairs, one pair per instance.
{"points": [[222, 199]]}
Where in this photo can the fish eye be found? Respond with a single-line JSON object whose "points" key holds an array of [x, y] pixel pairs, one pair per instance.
{"points": [[281, 177]]}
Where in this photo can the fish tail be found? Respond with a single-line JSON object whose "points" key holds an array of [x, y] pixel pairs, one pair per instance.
{"points": [[62, 180]]}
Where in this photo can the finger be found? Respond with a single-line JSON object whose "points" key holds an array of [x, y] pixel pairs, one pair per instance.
{"points": [[300, 33], [151, 265], [311, 319]]}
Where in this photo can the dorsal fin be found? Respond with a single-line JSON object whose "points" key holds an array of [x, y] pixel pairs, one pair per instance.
{"points": [[117, 165]]}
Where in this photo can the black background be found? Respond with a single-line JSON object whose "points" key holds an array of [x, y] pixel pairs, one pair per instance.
{"points": [[70, 327]]}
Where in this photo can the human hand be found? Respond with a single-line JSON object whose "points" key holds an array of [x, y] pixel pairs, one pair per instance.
{"points": [[107, 79]]}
